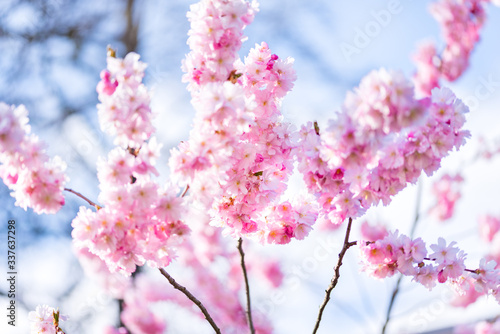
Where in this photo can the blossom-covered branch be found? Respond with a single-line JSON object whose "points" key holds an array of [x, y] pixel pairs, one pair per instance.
{"points": [[140, 221], [381, 140], [461, 23], [397, 253], [240, 151], [36, 180]]}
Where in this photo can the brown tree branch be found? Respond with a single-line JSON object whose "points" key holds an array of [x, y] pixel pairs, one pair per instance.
{"points": [[185, 191], [336, 275], [130, 36], [247, 286], [192, 298], [98, 207]]}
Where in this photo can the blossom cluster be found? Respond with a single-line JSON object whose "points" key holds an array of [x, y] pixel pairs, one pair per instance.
{"points": [[139, 220], [217, 284], [267, 149], [36, 180], [461, 22], [489, 228], [240, 152], [400, 254], [223, 115], [124, 109], [46, 319], [447, 192], [215, 37], [381, 140]]}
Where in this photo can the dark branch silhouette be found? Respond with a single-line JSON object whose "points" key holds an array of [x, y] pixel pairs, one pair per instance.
{"points": [[336, 275], [192, 298], [247, 286]]}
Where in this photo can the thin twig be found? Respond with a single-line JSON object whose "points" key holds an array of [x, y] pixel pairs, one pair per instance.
{"points": [[98, 207], [247, 287], [185, 191], [192, 298], [398, 283], [336, 275]]}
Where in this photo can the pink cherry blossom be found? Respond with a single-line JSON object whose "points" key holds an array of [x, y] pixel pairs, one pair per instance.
{"points": [[461, 22], [487, 277], [42, 320], [124, 109], [398, 253], [138, 221], [381, 140], [442, 253], [241, 143], [466, 292], [36, 180], [215, 37]]}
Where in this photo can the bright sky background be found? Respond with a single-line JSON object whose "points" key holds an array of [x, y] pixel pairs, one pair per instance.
{"points": [[310, 32]]}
